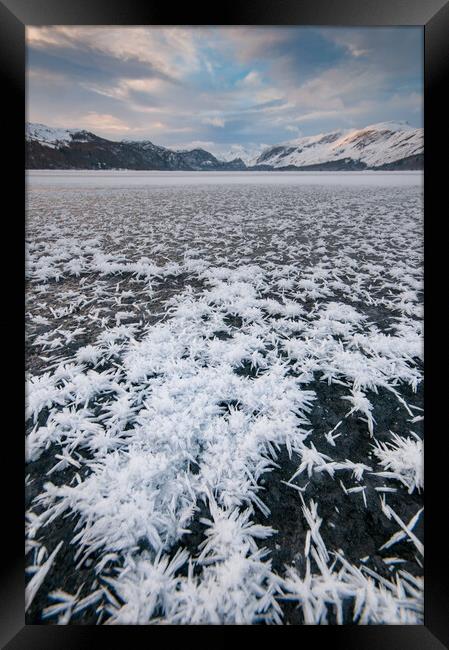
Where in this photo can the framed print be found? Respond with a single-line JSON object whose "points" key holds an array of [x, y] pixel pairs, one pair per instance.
{"points": [[232, 222]]}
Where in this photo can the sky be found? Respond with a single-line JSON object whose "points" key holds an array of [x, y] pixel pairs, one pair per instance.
{"points": [[222, 88]]}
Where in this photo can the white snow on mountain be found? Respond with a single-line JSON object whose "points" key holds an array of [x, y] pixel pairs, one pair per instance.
{"points": [[248, 155], [50, 136], [373, 145]]}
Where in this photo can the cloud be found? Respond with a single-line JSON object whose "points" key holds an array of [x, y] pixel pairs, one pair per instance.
{"points": [[171, 52], [222, 84], [215, 121], [193, 144], [103, 122], [294, 128], [97, 122], [392, 49], [251, 80]]}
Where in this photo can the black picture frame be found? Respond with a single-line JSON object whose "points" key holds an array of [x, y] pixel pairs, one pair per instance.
{"points": [[433, 16]]}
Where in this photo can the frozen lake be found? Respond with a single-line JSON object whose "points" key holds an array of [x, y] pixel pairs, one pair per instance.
{"points": [[128, 178], [224, 397]]}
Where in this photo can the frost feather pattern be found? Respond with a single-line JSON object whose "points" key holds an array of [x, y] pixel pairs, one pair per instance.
{"points": [[181, 340]]}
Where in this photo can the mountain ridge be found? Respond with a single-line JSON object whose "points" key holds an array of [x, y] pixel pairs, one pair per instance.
{"points": [[386, 145]]}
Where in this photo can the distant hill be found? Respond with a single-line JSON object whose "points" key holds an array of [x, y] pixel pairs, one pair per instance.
{"points": [[48, 148], [388, 145], [384, 146]]}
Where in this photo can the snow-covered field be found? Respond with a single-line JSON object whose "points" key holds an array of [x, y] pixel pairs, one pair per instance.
{"points": [[224, 398]]}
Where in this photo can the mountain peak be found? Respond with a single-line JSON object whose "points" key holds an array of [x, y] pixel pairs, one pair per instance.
{"points": [[391, 125], [372, 146], [394, 144]]}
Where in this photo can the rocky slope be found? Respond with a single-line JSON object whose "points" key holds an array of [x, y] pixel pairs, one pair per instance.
{"points": [[384, 146], [48, 148], [390, 145]]}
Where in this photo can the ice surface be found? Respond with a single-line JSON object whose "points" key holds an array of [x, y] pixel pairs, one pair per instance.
{"points": [[224, 378], [128, 178]]}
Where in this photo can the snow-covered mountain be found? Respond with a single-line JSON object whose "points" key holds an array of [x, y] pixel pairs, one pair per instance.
{"points": [[52, 148], [387, 145], [248, 155], [374, 146], [53, 137]]}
